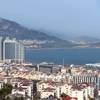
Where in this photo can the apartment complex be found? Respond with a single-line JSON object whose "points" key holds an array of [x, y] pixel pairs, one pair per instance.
{"points": [[11, 50]]}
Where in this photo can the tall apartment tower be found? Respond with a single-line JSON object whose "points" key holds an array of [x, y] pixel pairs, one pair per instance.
{"points": [[13, 50], [19, 52], [1, 50]]}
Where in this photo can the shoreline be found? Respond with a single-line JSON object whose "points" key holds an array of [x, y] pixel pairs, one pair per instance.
{"points": [[63, 48]]}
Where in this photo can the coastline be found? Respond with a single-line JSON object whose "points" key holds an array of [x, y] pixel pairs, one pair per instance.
{"points": [[63, 48]]}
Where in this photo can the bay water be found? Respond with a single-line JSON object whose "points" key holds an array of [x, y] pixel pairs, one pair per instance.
{"points": [[63, 55]]}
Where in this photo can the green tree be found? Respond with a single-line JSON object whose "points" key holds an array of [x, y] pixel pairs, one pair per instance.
{"points": [[63, 95], [7, 88]]}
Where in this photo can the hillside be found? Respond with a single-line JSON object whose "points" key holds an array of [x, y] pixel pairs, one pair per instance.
{"points": [[86, 39], [13, 29]]}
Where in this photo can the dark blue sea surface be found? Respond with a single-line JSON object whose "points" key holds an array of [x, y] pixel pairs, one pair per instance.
{"points": [[69, 56]]}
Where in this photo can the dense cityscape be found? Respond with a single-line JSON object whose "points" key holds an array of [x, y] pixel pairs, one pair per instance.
{"points": [[49, 49], [44, 81]]}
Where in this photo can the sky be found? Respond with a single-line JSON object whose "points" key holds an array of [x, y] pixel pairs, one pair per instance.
{"points": [[59, 17]]}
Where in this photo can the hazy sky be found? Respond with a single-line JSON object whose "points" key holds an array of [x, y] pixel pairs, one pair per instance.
{"points": [[74, 17]]}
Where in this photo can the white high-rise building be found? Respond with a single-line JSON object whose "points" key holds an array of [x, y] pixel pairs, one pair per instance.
{"points": [[1, 40], [19, 52], [13, 50]]}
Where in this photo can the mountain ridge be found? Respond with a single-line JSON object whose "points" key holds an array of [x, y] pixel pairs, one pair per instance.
{"points": [[15, 30], [38, 39], [87, 39]]}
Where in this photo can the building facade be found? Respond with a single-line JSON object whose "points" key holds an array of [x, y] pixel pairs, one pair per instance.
{"points": [[1, 39], [13, 50]]}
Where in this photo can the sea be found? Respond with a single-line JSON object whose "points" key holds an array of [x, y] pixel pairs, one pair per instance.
{"points": [[77, 56]]}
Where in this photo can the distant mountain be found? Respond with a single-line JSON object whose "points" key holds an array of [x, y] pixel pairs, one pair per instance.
{"points": [[39, 39], [86, 39], [13, 29]]}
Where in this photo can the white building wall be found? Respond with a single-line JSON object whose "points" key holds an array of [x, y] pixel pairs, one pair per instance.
{"points": [[78, 94], [46, 94]]}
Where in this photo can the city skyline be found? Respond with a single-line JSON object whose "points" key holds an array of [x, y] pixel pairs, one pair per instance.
{"points": [[62, 17]]}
